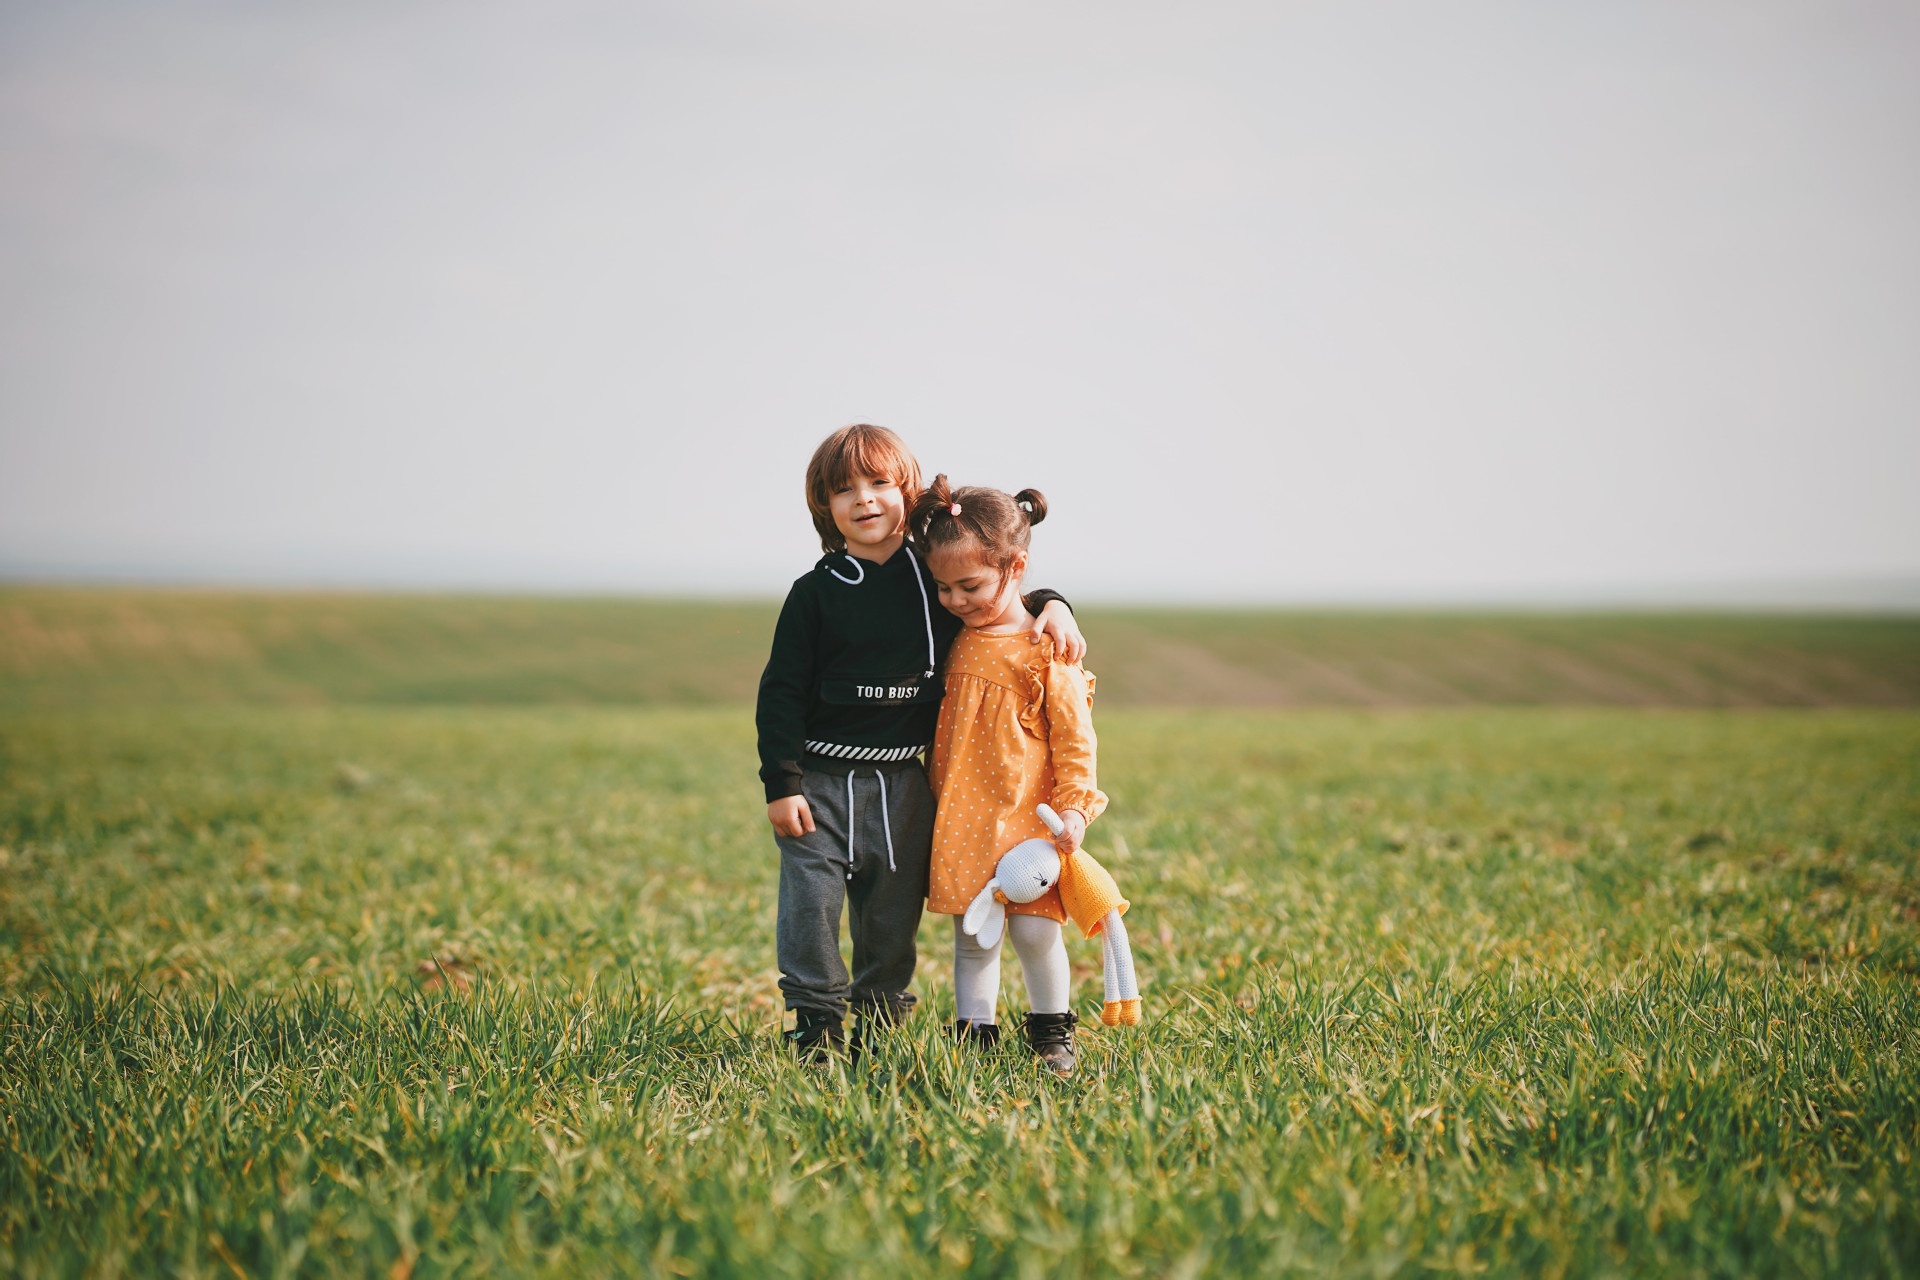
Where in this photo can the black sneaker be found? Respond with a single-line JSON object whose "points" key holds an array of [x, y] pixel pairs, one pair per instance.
{"points": [[878, 1014], [1051, 1035], [885, 1009], [816, 1036], [982, 1036]]}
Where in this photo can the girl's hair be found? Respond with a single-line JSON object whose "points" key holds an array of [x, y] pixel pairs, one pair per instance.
{"points": [[998, 523], [860, 450]]}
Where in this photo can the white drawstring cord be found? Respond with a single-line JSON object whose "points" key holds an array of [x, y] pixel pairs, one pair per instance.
{"points": [[862, 571], [886, 823], [850, 823], [926, 610]]}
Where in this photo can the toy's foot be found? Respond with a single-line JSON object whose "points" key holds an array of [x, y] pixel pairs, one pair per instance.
{"points": [[816, 1036], [976, 1035], [1051, 1035], [1121, 1013]]}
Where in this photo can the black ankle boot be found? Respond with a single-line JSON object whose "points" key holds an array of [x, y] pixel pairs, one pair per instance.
{"points": [[816, 1036], [976, 1035], [1051, 1036]]}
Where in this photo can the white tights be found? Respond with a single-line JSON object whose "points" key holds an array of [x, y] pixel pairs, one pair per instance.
{"points": [[1043, 961]]}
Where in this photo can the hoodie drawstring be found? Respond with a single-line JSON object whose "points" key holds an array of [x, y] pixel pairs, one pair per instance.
{"points": [[926, 610], [926, 605], [861, 570], [886, 823]]}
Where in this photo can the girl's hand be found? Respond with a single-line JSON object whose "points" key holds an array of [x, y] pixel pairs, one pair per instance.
{"points": [[1056, 620], [791, 817], [1068, 841]]}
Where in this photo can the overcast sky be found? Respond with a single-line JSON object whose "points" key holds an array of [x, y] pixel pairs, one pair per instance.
{"points": [[1310, 301]]}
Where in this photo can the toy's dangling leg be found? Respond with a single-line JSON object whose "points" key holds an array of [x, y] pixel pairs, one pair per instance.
{"points": [[1110, 970], [1123, 993]]}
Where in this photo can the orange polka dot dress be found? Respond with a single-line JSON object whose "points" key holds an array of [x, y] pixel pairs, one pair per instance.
{"points": [[1015, 731]]}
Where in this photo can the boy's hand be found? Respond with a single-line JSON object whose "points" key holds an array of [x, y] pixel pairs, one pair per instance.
{"points": [[791, 817], [1068, 841], [1057, 621]]}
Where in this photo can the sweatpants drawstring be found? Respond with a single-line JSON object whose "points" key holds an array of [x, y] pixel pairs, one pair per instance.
{"points": [[886, 823], [851, 824]]}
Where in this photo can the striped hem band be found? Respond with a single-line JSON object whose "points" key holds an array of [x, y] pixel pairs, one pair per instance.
{"points": [[837, 751]]}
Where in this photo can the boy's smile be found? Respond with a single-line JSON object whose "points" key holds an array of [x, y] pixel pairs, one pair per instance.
{"points": [[871, 514]]}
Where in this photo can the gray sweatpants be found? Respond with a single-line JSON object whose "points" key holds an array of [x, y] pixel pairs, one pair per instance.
{"points": [[846, 859]]}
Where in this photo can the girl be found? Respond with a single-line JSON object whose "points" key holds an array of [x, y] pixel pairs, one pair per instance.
{"points": [[1015, 731]]}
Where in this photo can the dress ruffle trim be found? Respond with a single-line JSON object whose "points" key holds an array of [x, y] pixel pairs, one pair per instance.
{"points": [[1033, 689]]}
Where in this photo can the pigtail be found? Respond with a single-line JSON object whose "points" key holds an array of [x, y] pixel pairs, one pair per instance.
{"points": [[1033, 503], [1000, 525], [935, 501]]}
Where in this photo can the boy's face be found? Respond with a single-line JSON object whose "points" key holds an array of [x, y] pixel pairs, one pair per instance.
{"points": [[870, 512]]}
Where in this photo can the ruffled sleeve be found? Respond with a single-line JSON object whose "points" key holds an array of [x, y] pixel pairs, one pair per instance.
{"points": [[1070, 740], [1030, 688]]}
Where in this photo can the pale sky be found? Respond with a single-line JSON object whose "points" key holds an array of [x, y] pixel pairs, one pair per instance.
{"points": [[1277, 302]]}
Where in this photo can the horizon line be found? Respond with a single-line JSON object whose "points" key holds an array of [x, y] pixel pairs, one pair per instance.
{"points": [[1852, 595]]}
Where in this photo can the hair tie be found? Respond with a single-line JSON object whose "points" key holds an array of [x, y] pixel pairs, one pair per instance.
{"points": [[953, 508]]}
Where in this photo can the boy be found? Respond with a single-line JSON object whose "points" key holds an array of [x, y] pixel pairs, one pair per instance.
{"points": [[847, 704]]}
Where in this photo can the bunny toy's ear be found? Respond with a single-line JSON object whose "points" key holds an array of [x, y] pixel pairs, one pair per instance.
{"points": [[985, 917]]}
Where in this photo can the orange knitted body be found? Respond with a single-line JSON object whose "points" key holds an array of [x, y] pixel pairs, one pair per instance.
{"points": [[1088, 892]]}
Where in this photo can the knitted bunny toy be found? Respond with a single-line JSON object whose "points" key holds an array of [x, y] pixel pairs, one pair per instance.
{"points": [[1088, 893]]}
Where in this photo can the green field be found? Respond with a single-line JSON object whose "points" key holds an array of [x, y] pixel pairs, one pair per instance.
{"points": [[1496, 990], [62, 648]]}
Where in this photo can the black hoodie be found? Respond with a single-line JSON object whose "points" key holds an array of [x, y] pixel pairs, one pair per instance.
{"points": [[855, 672]]}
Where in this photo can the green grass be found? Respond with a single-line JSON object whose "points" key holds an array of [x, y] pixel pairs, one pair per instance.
{"points": [[1505, 992], [66, 648]]}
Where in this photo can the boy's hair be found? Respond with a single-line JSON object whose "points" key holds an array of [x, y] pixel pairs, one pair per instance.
{"points": [[998, 523], [859, 450]]}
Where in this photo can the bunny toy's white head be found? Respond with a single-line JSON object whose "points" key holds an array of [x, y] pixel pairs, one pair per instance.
{"points": [[1028, 870], [1025, 872]]}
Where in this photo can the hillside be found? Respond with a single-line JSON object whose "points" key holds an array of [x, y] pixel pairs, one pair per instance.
{"points": [[72, 648]]}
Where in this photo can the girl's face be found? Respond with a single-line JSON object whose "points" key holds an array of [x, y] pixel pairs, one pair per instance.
{"points": [[870, 512], [974, 590]]}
